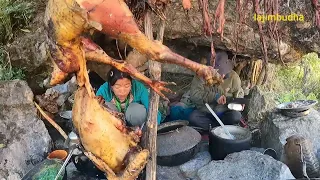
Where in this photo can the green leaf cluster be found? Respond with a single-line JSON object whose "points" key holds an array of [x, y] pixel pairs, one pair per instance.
{"points": [[300, 81], [14, 15], [7, 72]]}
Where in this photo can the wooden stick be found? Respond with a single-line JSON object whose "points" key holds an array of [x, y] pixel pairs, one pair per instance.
{"points": [[155, 73], [51, 121]]}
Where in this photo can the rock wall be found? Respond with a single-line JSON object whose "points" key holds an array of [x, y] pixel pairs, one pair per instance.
{"points": [[297, 37], [28, 50], [24, 139]]}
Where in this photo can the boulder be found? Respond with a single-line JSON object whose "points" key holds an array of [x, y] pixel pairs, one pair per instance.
{"points": [[277, 128], [169, 173], [24, 139], [245, 165], [190, 168], [28, 51], [261, 102]]}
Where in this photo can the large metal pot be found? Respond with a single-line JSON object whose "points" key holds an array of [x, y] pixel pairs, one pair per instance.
{"points": [[177, 143], [220, 145]]}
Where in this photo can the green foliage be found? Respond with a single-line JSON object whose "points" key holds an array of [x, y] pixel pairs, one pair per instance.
{"points": [[14, 14], [7, 72], [295, 94], [300, 81]]}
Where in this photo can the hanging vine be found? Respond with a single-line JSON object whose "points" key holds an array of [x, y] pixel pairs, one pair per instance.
{"points": [[262, 40], [241, 12], [316, 8], [207, 28], [270, 29]]}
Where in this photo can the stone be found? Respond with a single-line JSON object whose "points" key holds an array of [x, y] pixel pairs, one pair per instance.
{"points": [[260, 150], [261, 102], [190, 168], [24, 137], [169, 173], [64, 91], [68, 87], [245, 165], [28, 51], [277, 128]]}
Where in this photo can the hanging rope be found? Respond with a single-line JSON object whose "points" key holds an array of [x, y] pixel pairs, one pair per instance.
{"points": [[316, 8], [263, 41]]}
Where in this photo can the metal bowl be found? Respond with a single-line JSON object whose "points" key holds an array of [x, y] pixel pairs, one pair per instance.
{"points": [[297, 106]]}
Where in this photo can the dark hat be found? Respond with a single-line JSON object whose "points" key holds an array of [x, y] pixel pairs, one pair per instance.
{"points": [[222, 63]]}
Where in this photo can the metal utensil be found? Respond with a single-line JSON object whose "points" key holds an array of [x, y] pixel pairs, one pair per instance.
{"points": [[220, 122], [65, 163], [72, 142]]}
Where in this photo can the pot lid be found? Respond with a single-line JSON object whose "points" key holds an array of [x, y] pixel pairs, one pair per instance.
{"points": [[177, 141], [167, 127]]}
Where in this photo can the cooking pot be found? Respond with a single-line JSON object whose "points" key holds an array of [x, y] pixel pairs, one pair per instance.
{"points": [[177, 143], [220, 145], [49, 168]]}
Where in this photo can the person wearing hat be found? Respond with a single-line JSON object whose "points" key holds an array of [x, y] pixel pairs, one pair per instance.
{"points": [[123, 94], [216, 95]]}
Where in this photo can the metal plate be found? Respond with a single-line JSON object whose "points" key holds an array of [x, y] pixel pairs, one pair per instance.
{"points": [[297, 106], [294, 114]]}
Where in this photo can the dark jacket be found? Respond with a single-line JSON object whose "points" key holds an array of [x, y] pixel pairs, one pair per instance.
{"points": [[200, 93]]}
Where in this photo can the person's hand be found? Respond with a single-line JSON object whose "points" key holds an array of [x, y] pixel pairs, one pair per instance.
{"points": [[243, 106], [100, 99], [222, 100]]}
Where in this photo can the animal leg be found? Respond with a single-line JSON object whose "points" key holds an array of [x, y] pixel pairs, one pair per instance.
{"points": [[83, 77], [132, 171], [158, 52], [95, 53], [115, 19], [102, 166], [57, 75], [135, 166]]}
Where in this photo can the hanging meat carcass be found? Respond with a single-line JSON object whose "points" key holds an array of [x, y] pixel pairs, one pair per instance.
{"points": [[111, 145]]}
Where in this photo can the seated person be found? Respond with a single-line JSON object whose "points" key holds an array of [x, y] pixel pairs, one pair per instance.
{"points": [[182, 108], [123, 94], [216, 96]]}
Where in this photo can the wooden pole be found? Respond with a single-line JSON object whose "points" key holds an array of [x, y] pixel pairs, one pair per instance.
{"points": [[155, 74]]}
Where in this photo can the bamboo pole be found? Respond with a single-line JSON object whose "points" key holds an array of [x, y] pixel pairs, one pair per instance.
{"points": [[155, 73]]}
